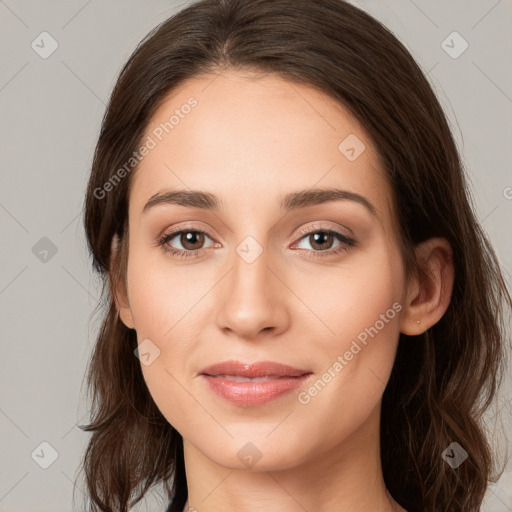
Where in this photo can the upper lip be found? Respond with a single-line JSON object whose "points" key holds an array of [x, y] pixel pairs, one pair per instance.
{"points": [[258, 369]]}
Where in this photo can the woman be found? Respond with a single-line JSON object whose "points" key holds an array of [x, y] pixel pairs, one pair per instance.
{"points": [[303, 312]]}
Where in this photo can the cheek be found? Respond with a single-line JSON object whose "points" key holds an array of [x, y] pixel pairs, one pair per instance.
{"points": [[351, 297], [162, 299], [164, 308], [356, 331]]}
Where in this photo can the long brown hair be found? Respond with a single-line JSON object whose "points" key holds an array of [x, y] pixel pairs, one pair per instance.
{"points": [[442, 381]]}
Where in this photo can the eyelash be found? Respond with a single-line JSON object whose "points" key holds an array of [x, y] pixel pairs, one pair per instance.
{"points": [[166, 237]]}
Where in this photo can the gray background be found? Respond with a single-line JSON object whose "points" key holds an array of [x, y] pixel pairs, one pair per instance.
{"points": [[50, 117]]}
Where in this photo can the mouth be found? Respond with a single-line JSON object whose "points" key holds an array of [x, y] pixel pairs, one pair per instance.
{"points": [[239, 378], [251, 385], [261, 369]]}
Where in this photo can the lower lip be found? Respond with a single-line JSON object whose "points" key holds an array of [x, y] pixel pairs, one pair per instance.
{"points": [[250, 394]]}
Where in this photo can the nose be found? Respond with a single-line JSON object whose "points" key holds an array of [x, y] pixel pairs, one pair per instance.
{"points": [[251, 299]]}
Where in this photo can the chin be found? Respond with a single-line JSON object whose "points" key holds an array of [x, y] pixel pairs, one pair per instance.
{"points": [[254, 456]]}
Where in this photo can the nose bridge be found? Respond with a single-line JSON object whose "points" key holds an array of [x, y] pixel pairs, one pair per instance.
{"points": [[251, 300], [250, 272], [250, 277]]}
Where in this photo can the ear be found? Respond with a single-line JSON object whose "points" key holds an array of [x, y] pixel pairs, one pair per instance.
{"points": [[119, 291], [429, 293]]}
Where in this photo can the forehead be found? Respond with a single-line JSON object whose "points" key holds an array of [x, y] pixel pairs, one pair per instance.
{"points": [[252, 138]]}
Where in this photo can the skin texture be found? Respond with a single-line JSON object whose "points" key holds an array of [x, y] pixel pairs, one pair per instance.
{"points": [[250, 140]]}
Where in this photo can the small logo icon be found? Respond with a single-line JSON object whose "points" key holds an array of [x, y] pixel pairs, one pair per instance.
{"points": [[44, 45], [351, 147], [44, 455], [249, 454], [147, 352], [44, 250], [454, 45], [455, 455], [249, 249]]}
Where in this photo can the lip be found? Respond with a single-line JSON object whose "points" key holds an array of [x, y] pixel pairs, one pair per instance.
{"points": [[268, 381], [258, 369]]}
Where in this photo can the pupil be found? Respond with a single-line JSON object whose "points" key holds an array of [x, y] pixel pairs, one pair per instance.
{"points": [[320, 236], [191, 238]]}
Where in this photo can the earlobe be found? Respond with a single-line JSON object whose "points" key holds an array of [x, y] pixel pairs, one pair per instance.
{"points": [[429, 293], [119, 291]]}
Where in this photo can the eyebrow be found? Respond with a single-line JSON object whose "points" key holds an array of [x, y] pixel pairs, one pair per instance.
{"points": [[292, 201]]}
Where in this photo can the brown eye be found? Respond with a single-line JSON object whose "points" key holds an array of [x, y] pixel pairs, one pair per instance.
{"points": [[325, 242], [184, 242], [191, 240], [321, 240]]}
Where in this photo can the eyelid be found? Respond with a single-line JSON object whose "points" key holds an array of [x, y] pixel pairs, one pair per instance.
{"points": [[186, 227], [316, 227]]}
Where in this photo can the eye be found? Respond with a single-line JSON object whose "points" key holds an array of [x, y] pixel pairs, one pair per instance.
{"points": [[190, 240], [322, 241]]}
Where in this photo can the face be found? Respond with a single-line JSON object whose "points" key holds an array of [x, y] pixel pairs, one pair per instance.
{"points": [[309, 281]]}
